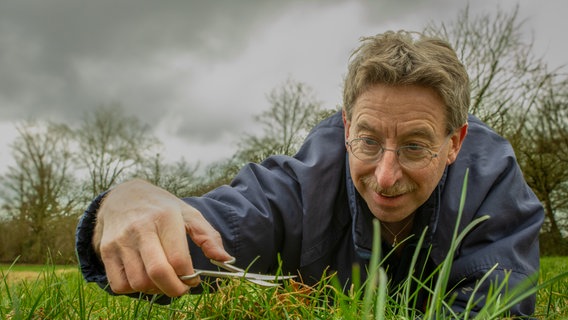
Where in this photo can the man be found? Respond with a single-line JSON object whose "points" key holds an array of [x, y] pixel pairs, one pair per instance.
{"points": [[397, 152]]}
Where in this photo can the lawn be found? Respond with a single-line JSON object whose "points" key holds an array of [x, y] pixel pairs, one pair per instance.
{"points": [[552, 302], [47, 292]]}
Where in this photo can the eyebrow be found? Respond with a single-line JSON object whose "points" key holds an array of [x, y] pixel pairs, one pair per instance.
{"points": [[414, 132], [364, 126], [422, 133]]}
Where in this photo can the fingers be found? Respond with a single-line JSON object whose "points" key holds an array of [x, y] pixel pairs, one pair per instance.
{"points": [[160, 270], [173, 239], [144, 269], [148, 254], [115, 272]]}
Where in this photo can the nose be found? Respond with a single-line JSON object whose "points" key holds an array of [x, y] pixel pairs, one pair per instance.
{"points": [[388, 170]]}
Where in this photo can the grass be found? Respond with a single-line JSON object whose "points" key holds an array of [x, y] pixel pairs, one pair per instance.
{"points": [[552, 301], [57, 292]]}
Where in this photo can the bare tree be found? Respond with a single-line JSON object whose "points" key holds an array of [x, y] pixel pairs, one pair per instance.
{"points": [[39, 185], [515, 93], [505, 76], [292, 114], [179, 178], [111, 145], [544, 156]]}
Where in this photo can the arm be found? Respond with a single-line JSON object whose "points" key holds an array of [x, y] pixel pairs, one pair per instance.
{"points": [[261, 214]]}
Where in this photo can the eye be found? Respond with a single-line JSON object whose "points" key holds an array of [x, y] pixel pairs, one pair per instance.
{"points": [[414, 147], [368, 142], [413, 152], [366, 146]]}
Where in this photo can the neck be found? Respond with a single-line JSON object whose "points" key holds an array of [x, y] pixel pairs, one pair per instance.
{"points": [[395, 232]]}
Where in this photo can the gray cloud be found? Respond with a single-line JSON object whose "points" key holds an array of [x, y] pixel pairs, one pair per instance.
{"points": [[54, 51], [198, 70]]}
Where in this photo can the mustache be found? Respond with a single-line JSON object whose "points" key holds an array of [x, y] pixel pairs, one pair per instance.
{"points": [[395, 190]]}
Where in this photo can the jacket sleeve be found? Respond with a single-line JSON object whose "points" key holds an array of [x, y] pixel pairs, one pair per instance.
{"points": [[262, 214], [509, 239]]}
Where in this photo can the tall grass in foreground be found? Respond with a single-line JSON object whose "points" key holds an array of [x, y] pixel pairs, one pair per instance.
{"points": [[552, 300], [64, 295], [54, 294]]}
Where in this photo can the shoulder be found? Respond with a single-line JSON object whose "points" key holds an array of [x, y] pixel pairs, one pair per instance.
{"points": [[484, 148], [333, 122], [325, 142]]}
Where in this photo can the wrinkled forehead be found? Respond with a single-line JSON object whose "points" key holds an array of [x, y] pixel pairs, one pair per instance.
{"points": [[410, 129], [399, 110]]}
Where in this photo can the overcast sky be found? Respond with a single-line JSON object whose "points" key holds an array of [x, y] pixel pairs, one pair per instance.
{"points": [[197, 71]]}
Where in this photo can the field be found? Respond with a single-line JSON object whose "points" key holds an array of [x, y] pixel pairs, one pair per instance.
{"points": [[48, 292]]}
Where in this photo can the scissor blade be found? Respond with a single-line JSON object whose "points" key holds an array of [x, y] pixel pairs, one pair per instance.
{"points": [[266, 277], [263, 283], [226, 274], [228, 265], [236, 272], [251, 277], [223, 274]]}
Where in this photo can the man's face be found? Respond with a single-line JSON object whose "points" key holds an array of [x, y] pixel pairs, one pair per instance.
{"points": [[396, 116]]}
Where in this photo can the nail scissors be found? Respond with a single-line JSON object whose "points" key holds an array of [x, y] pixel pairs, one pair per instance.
{"points": [[235, 272]]}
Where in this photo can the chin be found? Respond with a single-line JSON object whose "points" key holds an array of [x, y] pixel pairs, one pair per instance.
{"points": [[391, 209]]}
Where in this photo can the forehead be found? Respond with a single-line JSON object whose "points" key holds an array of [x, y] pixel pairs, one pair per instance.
{"points": [[399, 110]]}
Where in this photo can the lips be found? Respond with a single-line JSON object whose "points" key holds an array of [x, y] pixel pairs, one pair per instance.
{"points": [[389, 198], [390, 195]]}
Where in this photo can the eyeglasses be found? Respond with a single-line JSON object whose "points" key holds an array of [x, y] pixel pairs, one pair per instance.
{"points": [[412, 157]]}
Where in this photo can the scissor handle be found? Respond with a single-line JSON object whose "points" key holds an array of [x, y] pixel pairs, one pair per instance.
{"points": [[211, 273], [235, 272], [227, 265]]}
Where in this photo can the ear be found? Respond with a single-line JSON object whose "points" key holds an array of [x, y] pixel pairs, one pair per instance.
{"points": [[456, 141], [346, 124]]}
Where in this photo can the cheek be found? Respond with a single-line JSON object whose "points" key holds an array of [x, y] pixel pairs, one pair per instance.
{"points": [[429, 179], [357, 169]]}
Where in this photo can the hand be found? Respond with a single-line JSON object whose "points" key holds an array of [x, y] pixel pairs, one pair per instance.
{"points": [[140, 236]]}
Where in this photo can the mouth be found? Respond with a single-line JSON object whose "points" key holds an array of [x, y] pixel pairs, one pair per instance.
{"points": [[385, 202], [390, 195]]}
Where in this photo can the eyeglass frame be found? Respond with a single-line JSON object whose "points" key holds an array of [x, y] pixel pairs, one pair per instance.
{"points": [[382, 151]]}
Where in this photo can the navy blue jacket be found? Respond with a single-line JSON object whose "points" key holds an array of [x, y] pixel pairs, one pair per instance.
{"points": [[305, 208]]}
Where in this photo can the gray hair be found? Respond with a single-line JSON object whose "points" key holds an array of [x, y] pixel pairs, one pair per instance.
{"points": [[409, 58]]}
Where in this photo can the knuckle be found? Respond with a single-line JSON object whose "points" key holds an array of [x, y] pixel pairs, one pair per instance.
{"points": [[134, 229], [141, 285], [157, 215], [104, 250], [192, 282], [157, 271], [178, 292], [215, 234], [210, 238], [213, 239], [178, 261], [107, 251], [121, 287]]}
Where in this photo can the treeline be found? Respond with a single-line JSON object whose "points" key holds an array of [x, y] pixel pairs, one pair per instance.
{"points": [[59, 169]]}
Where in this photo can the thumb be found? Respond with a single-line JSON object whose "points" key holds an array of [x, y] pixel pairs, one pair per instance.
{"points": [[205, 236]]}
